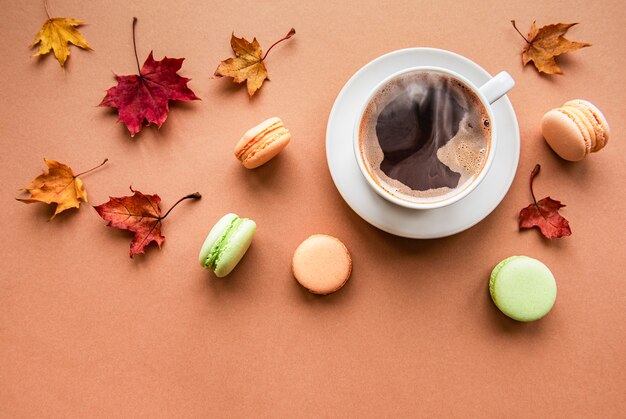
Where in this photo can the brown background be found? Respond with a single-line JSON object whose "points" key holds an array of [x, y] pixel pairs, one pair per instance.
{"points": [[86, 331]]}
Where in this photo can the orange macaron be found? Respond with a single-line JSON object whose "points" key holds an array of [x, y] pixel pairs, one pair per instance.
{"points": [[262, 143], [321, 264], [575, 130]]}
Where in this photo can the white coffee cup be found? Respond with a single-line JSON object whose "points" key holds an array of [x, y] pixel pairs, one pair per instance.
{"points": [[488, 93]]}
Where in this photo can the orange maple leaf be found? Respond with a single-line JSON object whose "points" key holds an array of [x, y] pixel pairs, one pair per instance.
{"points": [[248, 64], [546, 43], [59, 186]]}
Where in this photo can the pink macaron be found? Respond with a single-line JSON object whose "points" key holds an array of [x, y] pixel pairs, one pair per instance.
{"points": [[262, 143], [575, 130]]}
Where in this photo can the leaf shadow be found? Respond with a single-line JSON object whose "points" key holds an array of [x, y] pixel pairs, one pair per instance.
{"points": [[142, 259], [39, 61], [124, 236], [164, 132], [568, 62], [229, 87], [109, 113], [44, 212], [226, 85], [168, 127], [42, 60], [556, 243]]}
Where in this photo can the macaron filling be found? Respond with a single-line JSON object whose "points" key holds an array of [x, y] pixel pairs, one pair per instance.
{"points": [[218, 247], [598, 127], [280, 133], [243, 154], [582, 117]]}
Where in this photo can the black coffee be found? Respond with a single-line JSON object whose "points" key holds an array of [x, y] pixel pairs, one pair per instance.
{"points": [[424, 136]]}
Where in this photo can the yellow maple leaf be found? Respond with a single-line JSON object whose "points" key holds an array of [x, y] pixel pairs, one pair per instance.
{"points": [[59, 185], [55, 34], [248, 64]]}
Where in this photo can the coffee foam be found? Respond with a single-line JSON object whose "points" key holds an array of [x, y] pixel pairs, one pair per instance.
{"points": [[464, 154]]}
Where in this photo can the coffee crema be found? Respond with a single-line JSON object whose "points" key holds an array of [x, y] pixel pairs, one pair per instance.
{"points": [[424, 136]]}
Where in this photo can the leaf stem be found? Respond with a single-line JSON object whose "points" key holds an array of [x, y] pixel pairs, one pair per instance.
{"points": [[291, 33], [92, 169], [513, 22], [532, 179], [45, 5], [195, 195], [135, 47]]}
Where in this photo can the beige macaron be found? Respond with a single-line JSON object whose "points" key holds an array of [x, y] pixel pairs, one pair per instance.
{"points": [[262, 143], [322, 264], [575, 130]]}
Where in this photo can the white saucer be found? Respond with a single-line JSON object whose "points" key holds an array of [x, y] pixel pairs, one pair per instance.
{"points": [[417, 224]]}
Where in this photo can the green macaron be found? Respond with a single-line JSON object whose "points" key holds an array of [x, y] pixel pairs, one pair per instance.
{"points": [[523, 288], [226, 244]]}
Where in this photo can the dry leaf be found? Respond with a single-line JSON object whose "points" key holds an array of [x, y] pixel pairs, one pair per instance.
{"points": [[140, 214], [544, 214], [55, 34], [248, 64], [59, 186], [543, 44], [146, 96]]}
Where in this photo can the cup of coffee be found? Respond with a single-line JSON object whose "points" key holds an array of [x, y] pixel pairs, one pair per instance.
{"points": [[426, 136]]}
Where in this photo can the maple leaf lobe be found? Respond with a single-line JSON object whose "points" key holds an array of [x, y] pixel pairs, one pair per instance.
{"points": [[55, 35], [146, 96]]}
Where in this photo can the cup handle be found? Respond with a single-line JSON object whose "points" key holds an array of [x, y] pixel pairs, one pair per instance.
{"points": [[497, 87]]}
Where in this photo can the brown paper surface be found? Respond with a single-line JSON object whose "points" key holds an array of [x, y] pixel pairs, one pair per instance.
{"points": [[87, 332]]}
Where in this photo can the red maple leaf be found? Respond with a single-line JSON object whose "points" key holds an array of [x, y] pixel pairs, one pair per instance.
{"points": [[544, 214], [140, 214], [146, 96]]}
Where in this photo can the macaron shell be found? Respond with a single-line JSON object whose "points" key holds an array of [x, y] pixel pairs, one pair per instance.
{"points": [[235, 248], [582, 128], [523, 288], [322, 264], [565, 136], [601, 125], [215, 234], [494, 274], [267, 151]]}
